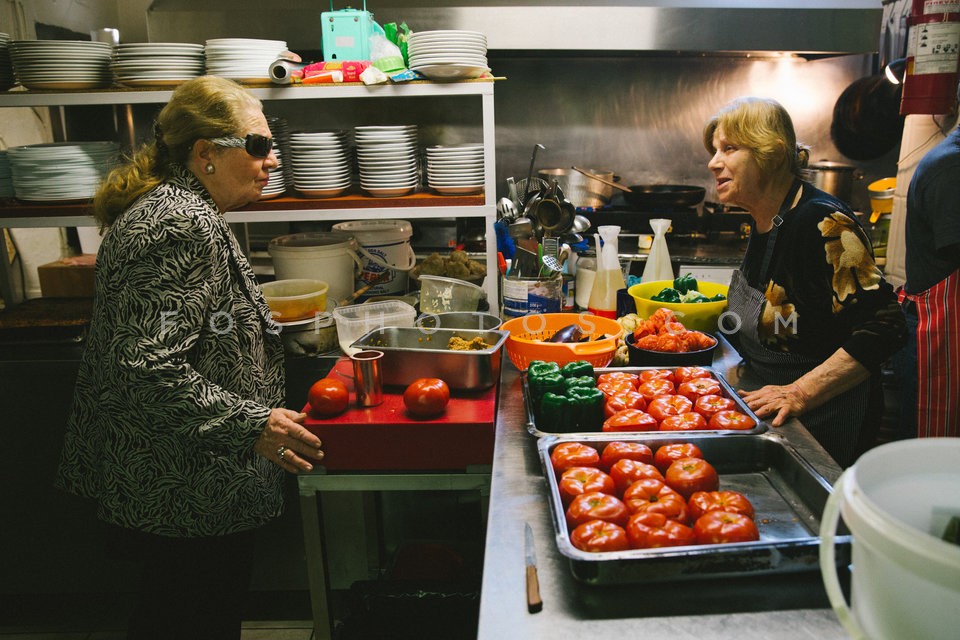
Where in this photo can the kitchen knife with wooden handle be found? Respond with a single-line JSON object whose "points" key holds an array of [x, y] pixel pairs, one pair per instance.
{"points": [[534, 603]]}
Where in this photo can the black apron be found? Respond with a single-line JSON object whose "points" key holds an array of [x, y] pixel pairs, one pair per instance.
{"points": [[836, 424]]}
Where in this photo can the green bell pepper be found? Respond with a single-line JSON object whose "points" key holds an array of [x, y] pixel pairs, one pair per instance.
{"points": [[557, 413], [587, 407], [685, 283], [587, 382], [576, 369], [667, 294], [543, 377], [717, 298]]}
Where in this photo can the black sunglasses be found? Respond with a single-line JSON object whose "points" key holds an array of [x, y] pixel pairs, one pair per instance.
{"points": [[255, 144]]}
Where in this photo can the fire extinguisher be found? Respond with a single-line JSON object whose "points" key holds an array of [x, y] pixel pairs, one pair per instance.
{"points": [[933, 57]]}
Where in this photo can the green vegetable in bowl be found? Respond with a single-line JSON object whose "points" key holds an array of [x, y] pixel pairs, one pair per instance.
{"points": [[694, 296], [667, 294], [685, 283], [718, 298]]}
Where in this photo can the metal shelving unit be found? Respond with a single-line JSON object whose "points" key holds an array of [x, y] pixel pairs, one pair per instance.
{"points": [[415, 206]]}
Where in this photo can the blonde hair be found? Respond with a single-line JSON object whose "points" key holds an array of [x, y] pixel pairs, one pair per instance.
{"points": [[762, 126], [205, 107]]}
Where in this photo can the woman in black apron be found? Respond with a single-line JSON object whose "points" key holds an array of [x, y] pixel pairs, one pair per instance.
{"points": [[809, 310]]}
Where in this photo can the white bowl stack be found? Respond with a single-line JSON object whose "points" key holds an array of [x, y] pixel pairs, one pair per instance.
{"points": [[6, 178], [387, 156], [321, 163], [60, 170], [242, 59], [448, 55], [277, 182], [61, 64], [6, 66], [455, 169], [146, 64]]}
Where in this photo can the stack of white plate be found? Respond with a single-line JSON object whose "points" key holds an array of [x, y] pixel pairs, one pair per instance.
{"points": [[321, 163], [277, 183], [243, 59], [6, 68], [60, 170], [145, 64], [61, 64], [449, 54], [6, 178], [455, 169], [387, 156]]}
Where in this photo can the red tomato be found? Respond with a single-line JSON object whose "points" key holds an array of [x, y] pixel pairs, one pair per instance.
{"points": [[656, 388], [426, 397], [721, 527], [647, 530], [573, 454], [689, 421], [703, 502], [689, 475], [666, 454], [653, 495], [669, 405], [596, 506], [697, 387], [657, 374], [711, 404], [626, 471], [328, 397], [623, 400], [599, 535], [683, 374], [578, 480], [731, 420], [617, 450], [630, 420], [619, 376], [616, 387]]}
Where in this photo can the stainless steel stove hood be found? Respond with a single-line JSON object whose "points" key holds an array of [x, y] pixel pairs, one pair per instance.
{"points": [[612, 26]]}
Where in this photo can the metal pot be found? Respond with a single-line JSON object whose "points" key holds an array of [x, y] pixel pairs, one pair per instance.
{"points": [[835, 178], [664, 196], [579, 189]]}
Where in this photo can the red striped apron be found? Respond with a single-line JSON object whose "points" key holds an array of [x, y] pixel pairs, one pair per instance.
{"points": [[938, 358]]}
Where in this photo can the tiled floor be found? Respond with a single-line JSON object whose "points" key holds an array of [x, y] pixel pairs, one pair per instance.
{"points": [[266, 630]]}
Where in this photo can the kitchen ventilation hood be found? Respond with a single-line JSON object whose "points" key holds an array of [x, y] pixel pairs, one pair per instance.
{"points": [[685, 26]]}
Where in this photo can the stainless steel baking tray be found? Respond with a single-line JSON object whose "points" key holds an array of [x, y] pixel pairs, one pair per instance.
{"points": [[728, 390], [787, 493], [418, 352]]}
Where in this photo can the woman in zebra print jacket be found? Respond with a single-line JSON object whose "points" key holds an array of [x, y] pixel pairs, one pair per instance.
{"points": [[177, 430]]}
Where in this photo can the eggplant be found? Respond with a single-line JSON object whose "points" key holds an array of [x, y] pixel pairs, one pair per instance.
{"points": [[569, 333]]}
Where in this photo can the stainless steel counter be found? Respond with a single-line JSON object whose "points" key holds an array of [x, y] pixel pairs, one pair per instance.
{"points": [[777, 606]]}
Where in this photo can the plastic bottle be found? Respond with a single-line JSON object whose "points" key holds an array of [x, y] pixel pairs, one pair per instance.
{"points": [[609, 278]]}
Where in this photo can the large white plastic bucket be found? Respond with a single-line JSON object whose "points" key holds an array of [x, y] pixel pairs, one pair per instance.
{"points": [[897, 500], [387, 254], [330, 257]]}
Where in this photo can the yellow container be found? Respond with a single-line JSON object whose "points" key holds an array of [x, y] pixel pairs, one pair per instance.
{"points": [[881, 196], [699, 316], [297, 299]]}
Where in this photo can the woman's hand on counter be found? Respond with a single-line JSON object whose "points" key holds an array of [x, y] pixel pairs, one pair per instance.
{"points": [[781, 402], [284, 441]]}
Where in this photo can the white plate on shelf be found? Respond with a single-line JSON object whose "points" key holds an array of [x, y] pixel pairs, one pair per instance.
{"points": [[455, 190], [389, 192]]}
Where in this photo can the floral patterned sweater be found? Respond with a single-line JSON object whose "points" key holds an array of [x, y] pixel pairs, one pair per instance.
{"points": [[179, 373], [824, 290]]}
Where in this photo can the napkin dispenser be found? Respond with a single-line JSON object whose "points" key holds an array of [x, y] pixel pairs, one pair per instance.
{"points": [[345, 33]]}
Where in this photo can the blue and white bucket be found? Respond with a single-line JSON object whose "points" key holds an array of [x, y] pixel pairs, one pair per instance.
{"points": [[384, 246]]}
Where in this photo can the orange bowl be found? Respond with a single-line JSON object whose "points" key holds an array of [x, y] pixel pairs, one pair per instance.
{"points": [[528, 336]]}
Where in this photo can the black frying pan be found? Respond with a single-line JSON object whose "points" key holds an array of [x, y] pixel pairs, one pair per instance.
{"points": [[664, 196]]}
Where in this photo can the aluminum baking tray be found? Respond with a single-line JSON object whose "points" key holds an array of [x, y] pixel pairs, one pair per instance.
{"points": [[419, 352], [542, 430], [787, 493]]}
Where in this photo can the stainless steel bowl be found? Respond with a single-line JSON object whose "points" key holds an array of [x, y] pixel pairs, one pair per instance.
{"points": [[309, 337], [417, 352]]}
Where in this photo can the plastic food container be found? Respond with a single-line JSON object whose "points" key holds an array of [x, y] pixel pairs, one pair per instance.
{"points": [[459, 320], [356, 320], [699, 316], [529, 333], [298, 299], [440, 295]]}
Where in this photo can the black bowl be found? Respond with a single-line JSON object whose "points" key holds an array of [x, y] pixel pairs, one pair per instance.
{"points": [[645, 358]]}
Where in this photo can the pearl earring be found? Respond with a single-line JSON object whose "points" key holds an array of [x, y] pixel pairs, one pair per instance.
{"points": [[209, 168]]}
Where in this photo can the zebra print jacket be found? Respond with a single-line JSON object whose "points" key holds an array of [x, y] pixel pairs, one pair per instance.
{"points": [[181, 367]]}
